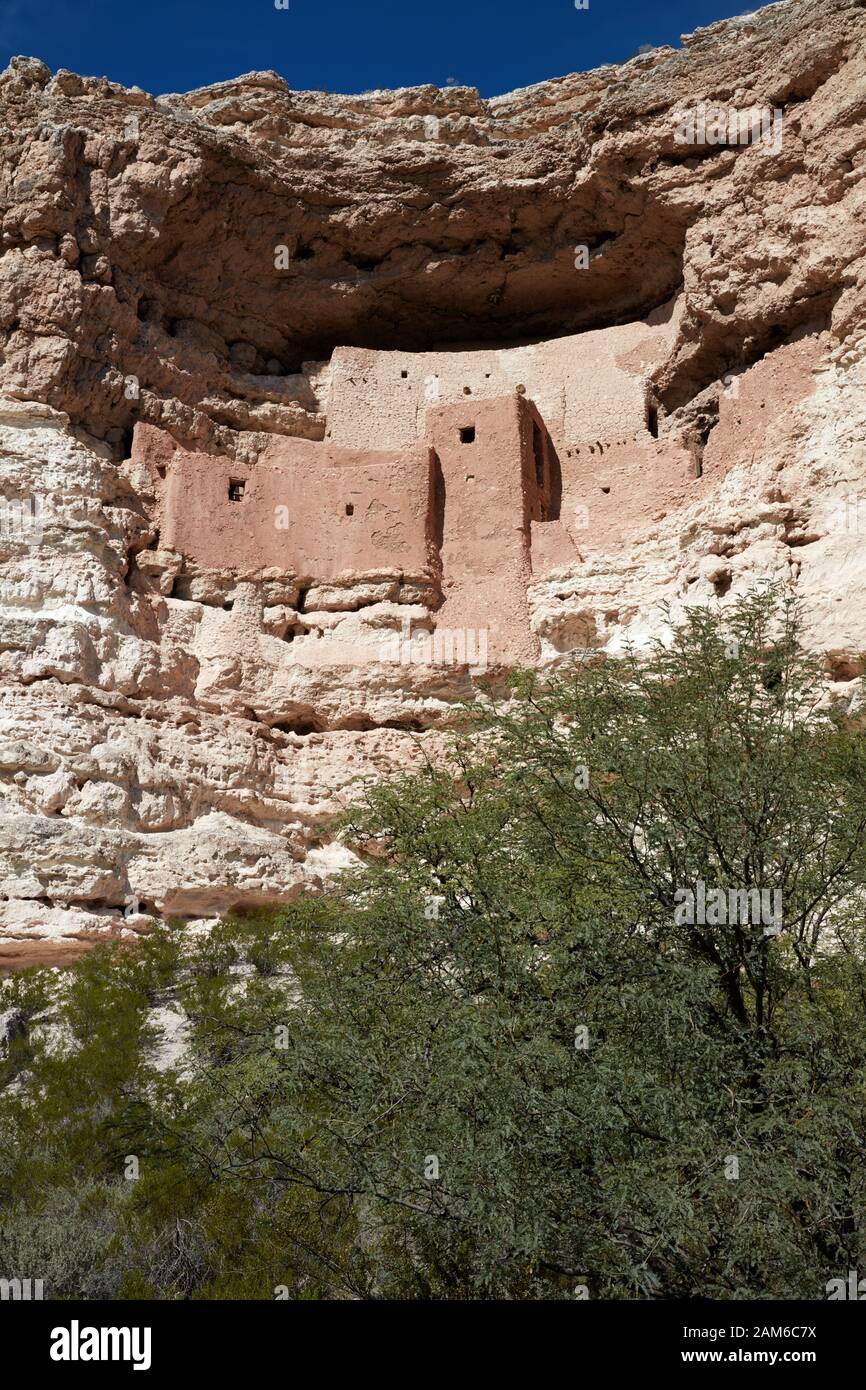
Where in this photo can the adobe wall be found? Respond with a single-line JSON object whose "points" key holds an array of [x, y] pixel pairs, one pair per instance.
{"points": [[314, 510], [501, 508], [490, 494], [587, 386], [625, 486], [628, 485]]}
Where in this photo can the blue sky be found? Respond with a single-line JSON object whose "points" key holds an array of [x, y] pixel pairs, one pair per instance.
{"points": [[343, 45]]}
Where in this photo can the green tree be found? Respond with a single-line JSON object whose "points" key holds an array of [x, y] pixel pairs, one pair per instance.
{"points": [[509, 1052], [544, 1039]]}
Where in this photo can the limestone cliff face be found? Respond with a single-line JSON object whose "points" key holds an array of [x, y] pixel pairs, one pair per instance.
{"points": [[318, 413]]}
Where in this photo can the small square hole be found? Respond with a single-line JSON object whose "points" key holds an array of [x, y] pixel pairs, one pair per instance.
{"points": [[404, 375], [467, 434], [236, 489], [350, 510]]}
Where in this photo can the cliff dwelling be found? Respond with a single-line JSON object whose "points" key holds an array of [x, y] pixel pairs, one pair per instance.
{"points": [[446, 480], [327, 423]]}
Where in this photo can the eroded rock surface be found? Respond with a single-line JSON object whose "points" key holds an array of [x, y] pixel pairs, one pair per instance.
{"points": [[319, 413]]}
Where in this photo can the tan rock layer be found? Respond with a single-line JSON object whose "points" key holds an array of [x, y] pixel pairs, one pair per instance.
{"points": [[218, 268]]}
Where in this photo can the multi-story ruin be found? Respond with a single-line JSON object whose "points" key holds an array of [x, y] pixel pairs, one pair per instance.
{"points": [[446, 479]]}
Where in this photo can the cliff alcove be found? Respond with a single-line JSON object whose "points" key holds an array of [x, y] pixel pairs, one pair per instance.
{"points": [[328, 410]]}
